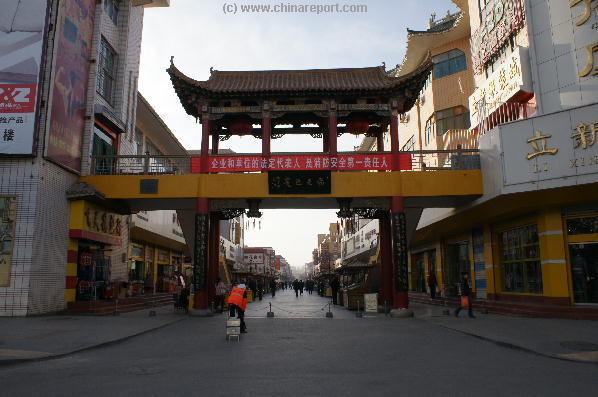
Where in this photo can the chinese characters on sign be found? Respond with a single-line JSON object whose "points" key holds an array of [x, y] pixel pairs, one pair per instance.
{"points": [[584, 135], [509, 79], [345, 162], [8, 215], [591, 48], [103, 222], [539, 143], [253, 258], [299, 182]]}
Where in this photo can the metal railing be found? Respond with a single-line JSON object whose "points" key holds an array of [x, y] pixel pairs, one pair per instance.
{"points": [[421, 160], [491, 114], [144, 164]]}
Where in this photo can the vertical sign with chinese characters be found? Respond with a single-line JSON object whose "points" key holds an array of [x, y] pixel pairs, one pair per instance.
{"points": [[399, 251], [71, 75], [8, 215], [200, 254], [584, 22], [21, 40]]}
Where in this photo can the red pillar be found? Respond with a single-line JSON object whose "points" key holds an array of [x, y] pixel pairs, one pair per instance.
{"points": [[205, 142], [332, 134], [394, 140], [399, 252], [325, 143], [200, 254], [266, 136]]}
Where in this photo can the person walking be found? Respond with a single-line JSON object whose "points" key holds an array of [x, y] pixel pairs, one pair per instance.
{"points": [[296, 288], [220, 292], [334, 286], [465, 296], [432, 283], [237, 303], [260, 289], [301, 286], [273, 287]]}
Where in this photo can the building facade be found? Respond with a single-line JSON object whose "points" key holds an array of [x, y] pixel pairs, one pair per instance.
{"points": [[529, 243], [73, 94]]}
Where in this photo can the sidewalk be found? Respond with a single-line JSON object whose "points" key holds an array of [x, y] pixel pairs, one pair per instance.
{"points": [[575, 340], [39, 337]]}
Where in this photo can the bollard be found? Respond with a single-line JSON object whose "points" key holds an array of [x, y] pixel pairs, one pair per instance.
{"points": [[385, 309], [329, 313], [359, 314], [270, 314]]}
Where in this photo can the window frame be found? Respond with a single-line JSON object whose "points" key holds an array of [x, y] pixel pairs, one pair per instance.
{"points": [[107, 70], [464, 116], [447, 62], [112, 9], [523, 261]]}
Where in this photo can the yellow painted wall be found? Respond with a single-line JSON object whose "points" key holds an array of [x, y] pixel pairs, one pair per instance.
{"points": [[344, 184], [555, 270]]}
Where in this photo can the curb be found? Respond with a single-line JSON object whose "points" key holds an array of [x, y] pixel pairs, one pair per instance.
{"points": [[516, 347], [16, 361]]}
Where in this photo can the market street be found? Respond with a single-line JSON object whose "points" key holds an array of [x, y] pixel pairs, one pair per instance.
{"points": [[342, 356]]}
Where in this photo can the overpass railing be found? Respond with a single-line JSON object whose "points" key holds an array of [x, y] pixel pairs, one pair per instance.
{"points": [[418, 160]]}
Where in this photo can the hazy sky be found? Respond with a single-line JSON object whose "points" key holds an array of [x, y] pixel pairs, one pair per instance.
{"points": [[200, 35]]}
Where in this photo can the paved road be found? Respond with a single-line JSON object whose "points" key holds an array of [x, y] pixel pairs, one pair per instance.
{"points": [[295, 356]]}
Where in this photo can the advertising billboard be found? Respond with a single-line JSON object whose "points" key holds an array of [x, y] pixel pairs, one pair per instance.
{"points": [[21, 40], [70, 82]]}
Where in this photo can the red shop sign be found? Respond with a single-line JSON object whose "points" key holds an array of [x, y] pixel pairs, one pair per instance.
{"points": [[341, 162]]}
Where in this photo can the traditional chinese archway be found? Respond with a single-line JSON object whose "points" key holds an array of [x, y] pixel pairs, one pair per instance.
{"points": [[323, 103]]}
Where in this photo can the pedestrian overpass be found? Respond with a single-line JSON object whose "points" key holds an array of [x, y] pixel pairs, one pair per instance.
{"points": [[393, 186]]}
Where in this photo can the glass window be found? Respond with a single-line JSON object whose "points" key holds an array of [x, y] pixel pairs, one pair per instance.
{"points": [[448, 63], [111, 8], [520, 260], [106, 71], [139, 142], [588, 225], [456, 118], [429, 131]]}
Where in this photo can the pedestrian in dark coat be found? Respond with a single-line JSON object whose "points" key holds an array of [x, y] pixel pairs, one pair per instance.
{"points": [[334, 286], [296, 287], [273, 287], [432, 283], [465, 295]]}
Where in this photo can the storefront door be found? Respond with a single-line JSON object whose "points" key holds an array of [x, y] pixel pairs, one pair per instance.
{"points": [[584, 271]]}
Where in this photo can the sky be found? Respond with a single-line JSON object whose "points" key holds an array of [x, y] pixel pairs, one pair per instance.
{"points": [[200, 35]]}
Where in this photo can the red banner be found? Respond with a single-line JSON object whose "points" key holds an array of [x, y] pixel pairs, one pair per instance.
{"points": [[17, 98], [306, 162]]}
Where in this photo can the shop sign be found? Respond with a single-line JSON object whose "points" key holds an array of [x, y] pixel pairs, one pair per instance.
{"points": [[20, 61], [8, 216], [299, 182], [253, 258], [101, 221], [341, 162], [558, 145], [499, 18], [70, 82], [371, 303], [512, 77]]}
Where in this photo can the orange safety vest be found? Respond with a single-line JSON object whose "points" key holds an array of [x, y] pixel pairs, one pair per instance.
{"points": [[236, 297]]}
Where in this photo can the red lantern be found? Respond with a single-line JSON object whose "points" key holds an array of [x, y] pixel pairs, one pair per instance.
{"points": [[241, 126], [358, 124]]}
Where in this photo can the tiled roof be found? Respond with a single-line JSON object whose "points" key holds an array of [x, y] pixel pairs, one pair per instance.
{"points": [[354, 79]]}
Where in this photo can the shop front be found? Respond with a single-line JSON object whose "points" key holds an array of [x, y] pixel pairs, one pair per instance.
{"points": [[93, 234]]}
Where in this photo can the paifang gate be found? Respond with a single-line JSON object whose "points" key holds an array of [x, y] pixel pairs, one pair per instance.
{"points": [[392, 186]]}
